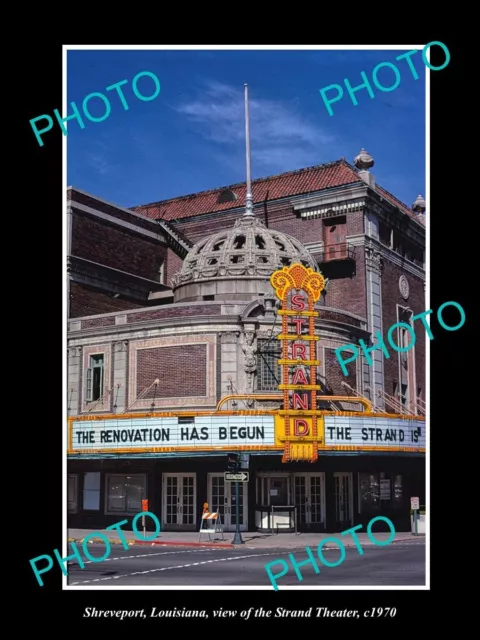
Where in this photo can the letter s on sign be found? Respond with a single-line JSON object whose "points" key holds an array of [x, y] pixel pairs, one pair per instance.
{"points": [[298, 302]]}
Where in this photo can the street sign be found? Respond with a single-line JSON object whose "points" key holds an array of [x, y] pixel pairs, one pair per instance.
{"points": [[414, 503], [237, 477]]}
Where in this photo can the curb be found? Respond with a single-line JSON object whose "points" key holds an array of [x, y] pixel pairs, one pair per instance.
{"points": [[216, 545], [213, 545], [153, 543]]}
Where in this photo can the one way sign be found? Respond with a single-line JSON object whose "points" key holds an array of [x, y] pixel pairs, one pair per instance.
{"points": [[237, 477]]}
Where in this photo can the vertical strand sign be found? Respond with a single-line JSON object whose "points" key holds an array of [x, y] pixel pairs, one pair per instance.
{"points": [[298, 288]]}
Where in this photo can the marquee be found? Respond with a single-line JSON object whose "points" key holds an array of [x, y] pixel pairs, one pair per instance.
{"points": [[163, 433]]}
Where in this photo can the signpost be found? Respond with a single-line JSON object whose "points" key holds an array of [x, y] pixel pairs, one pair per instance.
{"points": [[415, 506], [240, 476], [144, 508]]}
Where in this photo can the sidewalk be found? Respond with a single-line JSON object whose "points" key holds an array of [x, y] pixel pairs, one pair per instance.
{"points": [[252, 539]]}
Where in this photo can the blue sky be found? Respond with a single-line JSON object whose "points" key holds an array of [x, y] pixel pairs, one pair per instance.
{"points": [[191, 137]]}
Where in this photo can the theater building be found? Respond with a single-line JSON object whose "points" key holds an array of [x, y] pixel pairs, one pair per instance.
{"points": [[178, 354]]}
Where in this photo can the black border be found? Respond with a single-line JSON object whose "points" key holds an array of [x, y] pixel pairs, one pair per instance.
{"points": [[44, 453]]}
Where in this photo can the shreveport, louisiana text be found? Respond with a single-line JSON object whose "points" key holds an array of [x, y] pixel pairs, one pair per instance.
{"points": [[93, 612]]}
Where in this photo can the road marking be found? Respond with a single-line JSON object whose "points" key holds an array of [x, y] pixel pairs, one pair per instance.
{"points": [[147, 555], [196, 564], [180, 566]]}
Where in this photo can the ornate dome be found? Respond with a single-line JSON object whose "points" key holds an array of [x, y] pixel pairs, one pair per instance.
{"points": [[230, 262]]}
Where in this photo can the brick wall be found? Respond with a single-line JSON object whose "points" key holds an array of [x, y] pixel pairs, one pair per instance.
{"points": [[334, 375], [116, 247], [86, 301], [175, 380], [173, 264], [416, 301], [349, 294], [92, 323], [177, 312]]}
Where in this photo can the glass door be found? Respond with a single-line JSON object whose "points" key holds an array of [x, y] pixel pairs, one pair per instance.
{"points": [[343, 498], [310, 500], [179, 501], [221, 499]]}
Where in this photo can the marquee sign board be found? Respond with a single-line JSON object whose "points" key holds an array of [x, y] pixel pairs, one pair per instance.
{"points": [[298, 288], [157, 434], [377, 434]]}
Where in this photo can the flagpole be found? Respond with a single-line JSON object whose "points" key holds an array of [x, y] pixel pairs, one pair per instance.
{"points": [[248, 197]]}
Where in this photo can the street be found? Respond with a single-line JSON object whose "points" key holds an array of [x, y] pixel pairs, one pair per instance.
{"points": [[395, 564]]}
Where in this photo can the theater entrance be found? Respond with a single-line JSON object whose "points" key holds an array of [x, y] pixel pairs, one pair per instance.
{"points": [[221, 499], [179, 501], [310, 501]]}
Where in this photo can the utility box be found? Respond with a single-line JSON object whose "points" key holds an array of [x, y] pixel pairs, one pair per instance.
{"points": [[420, 522]]}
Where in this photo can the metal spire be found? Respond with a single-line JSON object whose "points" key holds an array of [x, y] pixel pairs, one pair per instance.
{"points": [[248, 197]]}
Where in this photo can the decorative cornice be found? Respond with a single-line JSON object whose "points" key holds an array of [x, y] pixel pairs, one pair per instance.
{"points": [[329, 211]]}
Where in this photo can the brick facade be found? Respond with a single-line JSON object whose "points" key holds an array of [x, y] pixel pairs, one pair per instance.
{"points": [[349, 293], [173, 264], [165, 363], [334, 375], [89, 301], [391, 296], [116, 247]]}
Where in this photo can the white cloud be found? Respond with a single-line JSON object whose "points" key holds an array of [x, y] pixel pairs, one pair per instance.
{"points": [[281, 138]]}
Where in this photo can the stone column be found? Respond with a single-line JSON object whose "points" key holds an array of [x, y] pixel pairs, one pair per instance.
{"points": [[228, 364], [374, 373], [74, 380], [120, 364]]}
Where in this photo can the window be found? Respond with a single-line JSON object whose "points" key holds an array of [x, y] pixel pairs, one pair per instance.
{"points": [[125, 493], [91, 491], [226, 196], [273, 490], [268, 369], [94, 390], [368, 492], [72, 493], [278, 491]]}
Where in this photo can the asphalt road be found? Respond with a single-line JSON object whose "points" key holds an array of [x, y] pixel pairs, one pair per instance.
{"points": [[395, 564]]}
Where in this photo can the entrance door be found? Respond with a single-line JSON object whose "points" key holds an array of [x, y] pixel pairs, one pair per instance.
{"points": [[179, 501], [310, 501], [221, 499], [343, 499]]}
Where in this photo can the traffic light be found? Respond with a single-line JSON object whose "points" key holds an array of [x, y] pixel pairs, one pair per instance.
{"points": [[233, 462]]}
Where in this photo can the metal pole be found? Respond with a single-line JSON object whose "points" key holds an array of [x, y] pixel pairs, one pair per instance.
{"points": [[237, 538], [248, 196], [415, 521]]}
